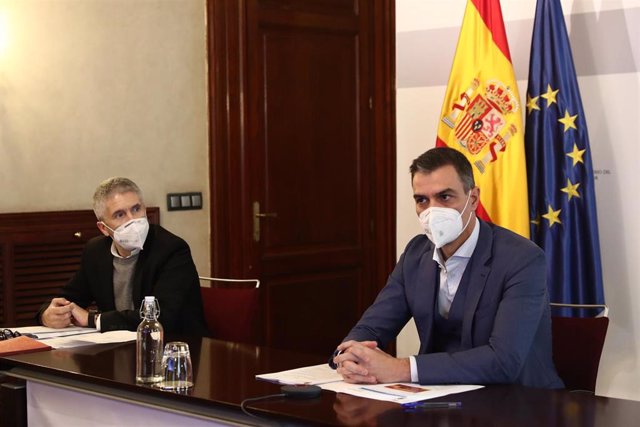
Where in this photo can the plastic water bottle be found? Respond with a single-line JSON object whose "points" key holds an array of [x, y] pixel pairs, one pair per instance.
{"points": [[149, 343]]}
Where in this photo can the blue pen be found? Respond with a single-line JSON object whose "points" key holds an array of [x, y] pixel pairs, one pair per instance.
{"points": [[434, 405]]}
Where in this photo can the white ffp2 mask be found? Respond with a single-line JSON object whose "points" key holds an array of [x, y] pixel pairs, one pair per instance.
{"points": [[132, 234], [443, 225]]}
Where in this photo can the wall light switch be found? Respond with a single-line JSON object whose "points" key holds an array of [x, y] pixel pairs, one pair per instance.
{"points": [[184, 201], [174, 202]]}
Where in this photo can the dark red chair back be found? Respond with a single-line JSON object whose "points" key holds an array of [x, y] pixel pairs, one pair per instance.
{"points": [[577, 347], [232, 313]]}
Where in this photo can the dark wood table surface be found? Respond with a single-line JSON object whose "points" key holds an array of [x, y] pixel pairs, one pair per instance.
{"points": [[224, 375]]}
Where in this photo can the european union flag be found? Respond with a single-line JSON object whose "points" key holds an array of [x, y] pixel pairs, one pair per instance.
{"points": [[562, 200]]}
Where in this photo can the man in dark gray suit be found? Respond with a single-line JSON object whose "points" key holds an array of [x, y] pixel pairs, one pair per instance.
{"points": [[476, 291], [131, 260]]}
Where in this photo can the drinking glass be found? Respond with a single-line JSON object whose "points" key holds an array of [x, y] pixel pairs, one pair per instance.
{"points": [[177, 372]]}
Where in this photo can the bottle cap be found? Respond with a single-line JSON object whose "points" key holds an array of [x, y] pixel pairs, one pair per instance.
{"points": [[149, 298]]}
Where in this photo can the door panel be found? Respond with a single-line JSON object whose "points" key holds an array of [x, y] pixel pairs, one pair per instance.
{"points": [[311, 309], [310, 139], [302, 124]]}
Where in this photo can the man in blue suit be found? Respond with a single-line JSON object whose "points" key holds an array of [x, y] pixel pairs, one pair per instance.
{"points": [[476, 291]]}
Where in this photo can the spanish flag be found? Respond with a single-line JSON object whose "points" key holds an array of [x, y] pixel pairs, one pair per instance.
{"points": [[482, 116]]}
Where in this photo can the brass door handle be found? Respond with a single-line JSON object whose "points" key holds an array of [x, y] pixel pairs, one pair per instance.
{"points": [[256, 219]]}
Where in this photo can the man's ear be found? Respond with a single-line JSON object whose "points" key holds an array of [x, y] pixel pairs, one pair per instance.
{"points": [[475, 197], [102, 228]]}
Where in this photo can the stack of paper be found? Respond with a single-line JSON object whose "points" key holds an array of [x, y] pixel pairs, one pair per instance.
{"points": [[310, 375], [75, 336]]}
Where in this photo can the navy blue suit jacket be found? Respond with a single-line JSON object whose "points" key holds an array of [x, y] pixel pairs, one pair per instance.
{"points": [[506, 328], [164, 269]]}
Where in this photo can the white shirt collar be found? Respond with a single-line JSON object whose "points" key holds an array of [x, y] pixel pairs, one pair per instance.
{"points": [[114, 251]]}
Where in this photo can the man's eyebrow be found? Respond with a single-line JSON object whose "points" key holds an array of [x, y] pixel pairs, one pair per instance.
{"points": [[119, 211], [445, 191], [439, 193]]}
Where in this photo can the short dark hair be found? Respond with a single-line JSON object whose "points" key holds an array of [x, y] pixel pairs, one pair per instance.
{"points": [[438, 157]]}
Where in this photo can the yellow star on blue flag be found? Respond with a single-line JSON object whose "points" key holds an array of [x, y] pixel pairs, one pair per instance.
{"points": [[571, 189], [576, 155], [568, 121], [550, 95]]}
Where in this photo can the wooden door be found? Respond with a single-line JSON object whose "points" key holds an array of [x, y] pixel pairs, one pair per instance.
{"points": [[313, 168]]}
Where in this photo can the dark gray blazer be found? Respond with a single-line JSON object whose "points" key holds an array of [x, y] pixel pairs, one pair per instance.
{"points": [[506, 328]]}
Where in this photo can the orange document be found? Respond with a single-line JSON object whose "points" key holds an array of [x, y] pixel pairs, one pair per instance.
{"points": [[20, 345]]}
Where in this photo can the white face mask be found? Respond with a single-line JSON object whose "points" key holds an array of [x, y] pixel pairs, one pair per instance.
{"points": [[443, 225], [132, 234]]}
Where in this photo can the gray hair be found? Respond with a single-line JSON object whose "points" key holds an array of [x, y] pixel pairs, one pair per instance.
{"points": [[114, 185]]}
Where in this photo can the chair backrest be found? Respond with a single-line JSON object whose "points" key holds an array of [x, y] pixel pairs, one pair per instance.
{"points": [[232, 308], [577, 347]]}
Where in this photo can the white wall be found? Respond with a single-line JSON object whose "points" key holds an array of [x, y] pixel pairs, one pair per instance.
{"points": [[606, 45], [93, 89]]}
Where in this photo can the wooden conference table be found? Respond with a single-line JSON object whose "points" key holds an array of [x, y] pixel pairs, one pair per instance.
{"points": [[224, 375]]}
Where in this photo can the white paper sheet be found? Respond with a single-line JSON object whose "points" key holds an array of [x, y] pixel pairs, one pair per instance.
{"points": [[92, 338], [328, 379], [75, 336], [309, 375], [42, 332]]}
